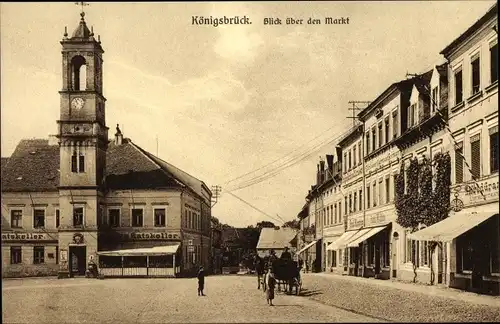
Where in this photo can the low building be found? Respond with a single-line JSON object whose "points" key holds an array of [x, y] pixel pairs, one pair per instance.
{"points": [[276, 239]]}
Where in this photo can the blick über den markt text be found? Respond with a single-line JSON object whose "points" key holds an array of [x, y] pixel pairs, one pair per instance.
{"points": [[245, 20]]}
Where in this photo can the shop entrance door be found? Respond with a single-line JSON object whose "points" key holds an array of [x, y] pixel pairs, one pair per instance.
{"points": [[77, 262]]}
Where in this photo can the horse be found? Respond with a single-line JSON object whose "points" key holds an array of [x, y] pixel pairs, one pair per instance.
{"points": [[259, 270]]}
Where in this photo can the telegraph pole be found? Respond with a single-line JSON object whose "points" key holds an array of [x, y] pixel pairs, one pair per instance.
{"points": [[355, 108], [216, 194]]}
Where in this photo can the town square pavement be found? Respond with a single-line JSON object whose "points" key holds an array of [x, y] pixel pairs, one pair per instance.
{"points": [[233, 298], [228, 299]]}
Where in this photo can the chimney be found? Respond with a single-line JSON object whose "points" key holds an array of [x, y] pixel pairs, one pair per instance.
{"points": [[322, 170], [118, 135], [318, 179], [329, 162]]}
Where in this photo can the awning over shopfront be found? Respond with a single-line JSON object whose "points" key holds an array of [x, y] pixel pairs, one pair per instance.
{"points": [[157, 250], [340, 242], [306, 247], [363, 237], [451, 227]]}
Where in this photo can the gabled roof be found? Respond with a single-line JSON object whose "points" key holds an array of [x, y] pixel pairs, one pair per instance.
{"points": [[422, 83], [271, 238], [34, 166]]}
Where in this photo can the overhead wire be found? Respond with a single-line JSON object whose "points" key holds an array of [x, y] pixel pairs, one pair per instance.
{"points": [[289, 153], [289, 163]]}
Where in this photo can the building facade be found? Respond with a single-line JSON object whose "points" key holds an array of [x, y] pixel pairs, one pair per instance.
{"points": [[471, 233], [65, 200]]}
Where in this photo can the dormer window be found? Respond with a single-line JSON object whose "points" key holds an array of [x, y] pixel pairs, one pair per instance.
{"points": [[435, 99], [412, 112]]}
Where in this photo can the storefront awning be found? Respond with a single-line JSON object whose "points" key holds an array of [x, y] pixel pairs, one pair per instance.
{"points": [[451, 227], [157, 250], [306, 247], [371, 232], [340, 242]]}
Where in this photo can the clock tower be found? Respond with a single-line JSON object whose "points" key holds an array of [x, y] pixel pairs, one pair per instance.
{"points": [[83, 140]]}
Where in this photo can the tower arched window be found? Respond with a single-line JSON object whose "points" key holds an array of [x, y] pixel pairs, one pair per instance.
{"points": [[79, 73], [77, 162]]}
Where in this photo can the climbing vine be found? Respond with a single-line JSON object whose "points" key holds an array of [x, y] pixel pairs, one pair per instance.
{"points": [[421, 204]]}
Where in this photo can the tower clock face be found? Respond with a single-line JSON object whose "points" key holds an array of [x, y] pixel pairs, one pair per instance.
{"points": [[77, 103]]}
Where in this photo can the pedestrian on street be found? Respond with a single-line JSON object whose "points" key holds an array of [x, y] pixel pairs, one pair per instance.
{"points": [[271, 284], [201, 281]]}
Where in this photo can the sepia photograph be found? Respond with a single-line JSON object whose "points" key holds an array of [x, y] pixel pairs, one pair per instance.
{"points": [[249, 162]]}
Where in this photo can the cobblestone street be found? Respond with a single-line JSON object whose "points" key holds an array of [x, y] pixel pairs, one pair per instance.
{"points": [[229, 299]]}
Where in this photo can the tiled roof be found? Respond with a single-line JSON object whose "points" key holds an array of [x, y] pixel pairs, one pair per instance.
{"points": [[34, 166], [271, 238], [4, 162]]}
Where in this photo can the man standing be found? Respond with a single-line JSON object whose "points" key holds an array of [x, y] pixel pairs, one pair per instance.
{"points": [[201, 281], [286, 256]]}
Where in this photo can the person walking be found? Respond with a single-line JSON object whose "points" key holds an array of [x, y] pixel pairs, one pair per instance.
{"points": [[270, 285], [201, 281]]}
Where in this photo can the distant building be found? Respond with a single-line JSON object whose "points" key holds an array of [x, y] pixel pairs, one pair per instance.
{"points": [[83, 197], [277, 240]]}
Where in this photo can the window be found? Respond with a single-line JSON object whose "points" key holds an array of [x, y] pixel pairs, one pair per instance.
{"points": [[340, 211], [394, 177], [159, 217], [368, 197], [395, 124], [360, 151], [458, 87], [57, 255], [380, 192], [137, 217], [424, 250], [354, 157], [345, 205], [334, 258], [387, 190], [39, 218], [16, 256], [38, 254], [114, 217], [335, 210], [350, 203], [494, 149], [374, 194], [360, 199], [380, 135], [16, 218], [74, 163], [58, 218], [476, 74], [374, 139], [435, 99], [77, 216], [345, 161], [411, 115], [349, 159], [475, 151], [367, 142], [81, 163], [459, 163], [386, 129], [464, 253], [185, 218], [355, 202], [408, 250], [494, 63]]}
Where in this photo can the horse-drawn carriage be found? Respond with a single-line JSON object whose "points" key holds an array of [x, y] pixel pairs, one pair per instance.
{"points": [[286, 273]]}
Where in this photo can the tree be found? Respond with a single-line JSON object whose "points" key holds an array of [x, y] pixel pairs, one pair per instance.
{"points": [[265, 224], [295, 224]]}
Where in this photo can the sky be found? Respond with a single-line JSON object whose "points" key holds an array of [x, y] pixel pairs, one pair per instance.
{"points": [[234, 104]]}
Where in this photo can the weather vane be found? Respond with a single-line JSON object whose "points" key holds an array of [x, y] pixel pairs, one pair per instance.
{"points": [[81, 3]]}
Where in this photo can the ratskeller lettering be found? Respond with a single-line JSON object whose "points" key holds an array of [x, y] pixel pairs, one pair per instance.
{"points": [[216, 21]]}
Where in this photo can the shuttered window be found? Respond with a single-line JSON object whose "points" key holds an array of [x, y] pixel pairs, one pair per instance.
{"points": [[475, 151], [493, 149], [459, 163]]}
